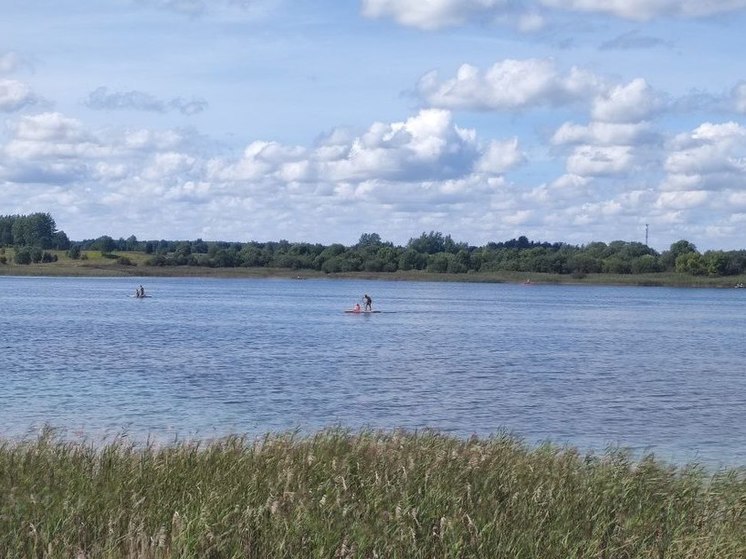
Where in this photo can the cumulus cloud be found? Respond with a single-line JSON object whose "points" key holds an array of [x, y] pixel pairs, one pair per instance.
{"points": [[196, 8], [431, 15], [425, 147], [444, 13], [191, 7], [630, 102], [53, 145], [421, 166], [15, 95], [682, 200], [50, 147], [588, 160], [499, 157], [522, 84], [738, 96], [508, 84], [604, 133], [642, 10], [103, 99], [710, 157], [48, 127]]}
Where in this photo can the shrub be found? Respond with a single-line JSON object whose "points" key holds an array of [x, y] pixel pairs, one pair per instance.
{"points": [[23, 256]]}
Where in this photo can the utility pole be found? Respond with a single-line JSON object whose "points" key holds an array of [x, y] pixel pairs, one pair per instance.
{"points": [[646, 234]]}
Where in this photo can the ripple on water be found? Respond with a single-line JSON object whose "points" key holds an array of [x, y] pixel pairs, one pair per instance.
{"points": [[650, 368]]}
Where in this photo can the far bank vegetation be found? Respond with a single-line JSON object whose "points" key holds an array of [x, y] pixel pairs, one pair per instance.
{"points": [[35, 239]]}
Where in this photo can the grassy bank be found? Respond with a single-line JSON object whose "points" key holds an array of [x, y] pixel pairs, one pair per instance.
{"points": [[338, 494], [95, 264]]}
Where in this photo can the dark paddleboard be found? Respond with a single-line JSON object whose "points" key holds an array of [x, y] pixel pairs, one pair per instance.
{"points": [[362, 312]]}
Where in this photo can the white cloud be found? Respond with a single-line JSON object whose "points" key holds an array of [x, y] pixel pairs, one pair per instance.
{"points": [[194, 8], [103, 99], [436, 14], [48, 127], [710, 157], [681, 200], [49, 137], [169, 165], [144, 139], [738, 199], [642, 10], [414, 171], [500, 157], [603, 133], [509, 84], [425, 147], [590, 160], [632, 102], [531, 21], [518, 217], [15, 95], [432, 14], [738, 96]]}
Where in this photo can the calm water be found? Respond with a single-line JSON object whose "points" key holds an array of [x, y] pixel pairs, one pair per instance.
{"points": [[653, 369]]}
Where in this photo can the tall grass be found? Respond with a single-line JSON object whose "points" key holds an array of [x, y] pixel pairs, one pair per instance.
{"points": [[340, 494]]}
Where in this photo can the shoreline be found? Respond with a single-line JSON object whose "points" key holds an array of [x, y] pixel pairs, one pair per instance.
{"points": [[110, 269]]}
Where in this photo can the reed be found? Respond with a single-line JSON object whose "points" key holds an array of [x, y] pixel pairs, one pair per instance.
{"points": [[365, 494]]}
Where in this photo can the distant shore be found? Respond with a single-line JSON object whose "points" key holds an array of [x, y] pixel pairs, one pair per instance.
{"points": [[97, 266]]}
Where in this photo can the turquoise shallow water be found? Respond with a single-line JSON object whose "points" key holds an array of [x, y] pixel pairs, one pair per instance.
{"points": [[654, 369]]}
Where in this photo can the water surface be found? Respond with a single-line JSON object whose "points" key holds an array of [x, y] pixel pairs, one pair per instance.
{"points": [[654, 369]]}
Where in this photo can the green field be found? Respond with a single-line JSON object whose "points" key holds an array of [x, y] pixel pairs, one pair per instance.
{"points": [[96, 264], [339, 494]]}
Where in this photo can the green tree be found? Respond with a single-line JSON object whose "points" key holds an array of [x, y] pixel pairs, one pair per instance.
{"points": [[412, 260], [584, 263], [438, 263], [23, 256], [679, 248], [369, 240], [691, 263], [60, 241], [74, 252], [645, 264], [390, 258], [716, 262], [428, 243], [104, 244]]}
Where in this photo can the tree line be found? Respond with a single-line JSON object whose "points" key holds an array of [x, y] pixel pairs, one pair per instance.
{"points": [[432, 252], [435, 252], [31, 236]]}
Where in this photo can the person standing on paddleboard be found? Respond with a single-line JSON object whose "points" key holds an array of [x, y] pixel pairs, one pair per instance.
{"points": [[368, 302]]}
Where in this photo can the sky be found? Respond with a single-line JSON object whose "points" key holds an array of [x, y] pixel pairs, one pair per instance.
{"points": [[319, 120]]}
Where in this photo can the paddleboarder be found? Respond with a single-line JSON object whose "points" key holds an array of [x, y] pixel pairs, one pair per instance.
{"points": [[368, 302]]}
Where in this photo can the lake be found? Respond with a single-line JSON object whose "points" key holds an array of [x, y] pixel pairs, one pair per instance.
{"points": [[653, 369]]}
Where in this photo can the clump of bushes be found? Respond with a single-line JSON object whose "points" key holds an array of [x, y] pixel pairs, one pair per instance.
{"points": [[35, 255]]}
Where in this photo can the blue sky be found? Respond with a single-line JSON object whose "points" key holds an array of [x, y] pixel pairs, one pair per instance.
{"points": [[561, 120]]}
